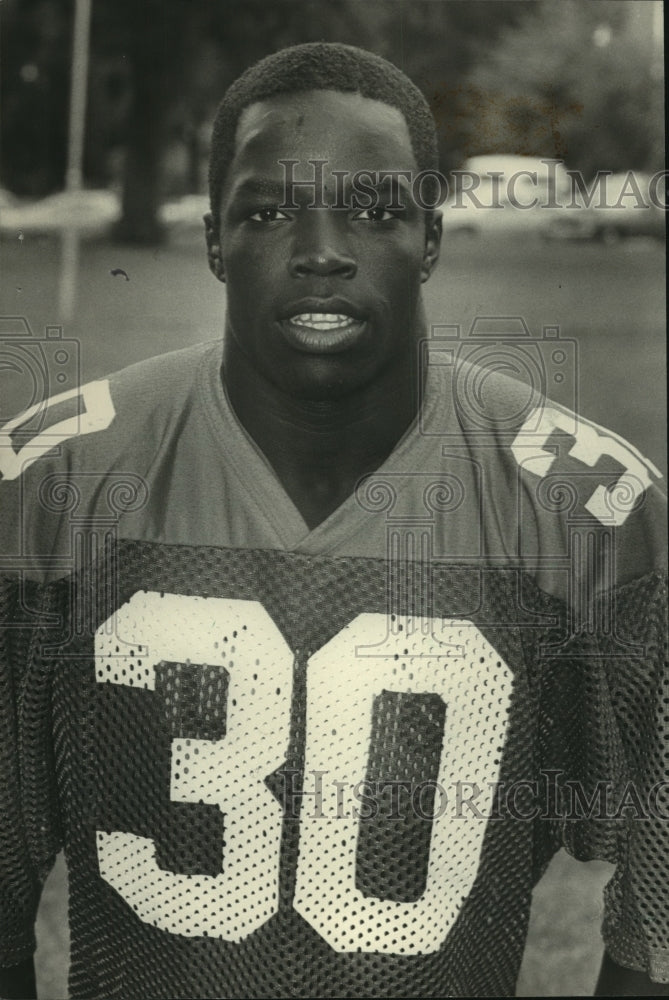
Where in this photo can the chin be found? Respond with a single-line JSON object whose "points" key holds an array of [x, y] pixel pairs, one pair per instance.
{"points": [[320, 383]]}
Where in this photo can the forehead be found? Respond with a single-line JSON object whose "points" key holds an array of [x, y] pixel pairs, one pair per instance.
{"points": [[351, 132]]}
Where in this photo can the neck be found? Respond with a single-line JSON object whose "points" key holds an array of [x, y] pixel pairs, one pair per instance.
{"points": [[319, 449]]}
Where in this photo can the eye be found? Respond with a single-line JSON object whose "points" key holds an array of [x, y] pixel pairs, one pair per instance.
{"points": [[378, 214], [268, 213]]}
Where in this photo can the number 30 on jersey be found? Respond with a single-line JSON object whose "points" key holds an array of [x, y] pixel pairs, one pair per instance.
{"points": [[448, 658]]}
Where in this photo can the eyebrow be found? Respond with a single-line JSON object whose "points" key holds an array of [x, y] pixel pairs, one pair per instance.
{"points": [[389, 184], [277, 190], [259, 186]]}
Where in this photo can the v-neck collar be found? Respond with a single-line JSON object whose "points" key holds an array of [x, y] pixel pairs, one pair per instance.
{"points": [[264, 490]]}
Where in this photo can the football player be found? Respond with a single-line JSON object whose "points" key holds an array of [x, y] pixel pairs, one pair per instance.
{"points": [[319, 641]]}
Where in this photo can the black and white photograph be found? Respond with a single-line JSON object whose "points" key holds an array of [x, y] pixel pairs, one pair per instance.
{"points": [[333, 507]]}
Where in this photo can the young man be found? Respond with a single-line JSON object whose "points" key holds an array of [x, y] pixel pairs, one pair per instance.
{"points": [[312, 660]]}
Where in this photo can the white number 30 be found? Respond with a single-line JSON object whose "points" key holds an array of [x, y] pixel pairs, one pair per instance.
{"points": [[450, 659]]}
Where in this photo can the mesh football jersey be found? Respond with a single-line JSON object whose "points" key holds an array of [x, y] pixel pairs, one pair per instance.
{"points": [[286, 762]]}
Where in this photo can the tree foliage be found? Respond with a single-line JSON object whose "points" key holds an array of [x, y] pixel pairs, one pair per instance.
{"points": [[573, 80], [34, 79], [500, 75]]}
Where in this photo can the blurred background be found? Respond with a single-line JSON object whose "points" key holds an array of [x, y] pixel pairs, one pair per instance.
{"points": [[564, 78], [103, 186]]}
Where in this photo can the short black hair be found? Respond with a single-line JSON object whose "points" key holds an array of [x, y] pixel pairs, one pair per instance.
{"points": [[319, 66]]}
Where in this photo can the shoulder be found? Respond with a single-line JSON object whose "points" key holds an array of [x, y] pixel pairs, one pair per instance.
{"points": [[91, 450], [106, 418], [588, 486], [551, 479]]}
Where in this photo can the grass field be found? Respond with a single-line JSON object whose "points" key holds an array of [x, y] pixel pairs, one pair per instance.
{"points": [[609, 301]]}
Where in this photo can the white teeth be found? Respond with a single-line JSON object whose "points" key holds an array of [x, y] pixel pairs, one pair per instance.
{"points": [[322, 321]]}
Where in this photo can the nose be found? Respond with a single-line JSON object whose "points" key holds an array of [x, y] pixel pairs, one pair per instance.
{"points": [[320, 248]]}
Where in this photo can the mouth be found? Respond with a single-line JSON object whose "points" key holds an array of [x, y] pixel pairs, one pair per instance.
{"points": [[322, 332]]}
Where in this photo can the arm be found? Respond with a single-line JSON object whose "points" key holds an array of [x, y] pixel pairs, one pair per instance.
{"points": [[17, 982], [617, 981], [23, 831]]}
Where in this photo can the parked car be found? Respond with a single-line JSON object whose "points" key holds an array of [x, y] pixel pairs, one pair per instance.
{"points": [[506, 194], [521, 194], [87, 211], [624, 205]]}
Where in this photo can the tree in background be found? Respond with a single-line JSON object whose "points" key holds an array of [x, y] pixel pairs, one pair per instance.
{"points": [[155, 37], [573, 80], [180, 56], [34, 81], [158, 69], [562, 78], [436, 44]]}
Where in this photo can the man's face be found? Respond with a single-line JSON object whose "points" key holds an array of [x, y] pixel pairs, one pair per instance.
{"points": [[322, 300]]}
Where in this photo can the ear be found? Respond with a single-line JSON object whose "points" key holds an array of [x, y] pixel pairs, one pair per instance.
{"points": [[432, 244], [213, 247]]}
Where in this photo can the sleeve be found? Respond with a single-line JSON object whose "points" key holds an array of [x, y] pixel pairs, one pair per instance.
{"points": [[40, 453], [609, 713], [636, 922], [29, 827], [605, 709]]}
